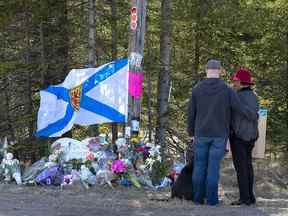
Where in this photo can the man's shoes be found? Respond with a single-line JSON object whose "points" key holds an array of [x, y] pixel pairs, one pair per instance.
{"points": [[240, 202]]}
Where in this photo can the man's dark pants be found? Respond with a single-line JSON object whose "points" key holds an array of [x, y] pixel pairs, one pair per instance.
{"points": [[209, 152], [242, 159]]}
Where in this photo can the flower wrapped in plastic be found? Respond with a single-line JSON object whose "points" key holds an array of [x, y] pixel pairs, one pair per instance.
{"points": [[58, 153], [118, 167], [31, 172], [104, 177], [87, 178], [52, 161], [154, 155], [121, 144], [50, 176]]}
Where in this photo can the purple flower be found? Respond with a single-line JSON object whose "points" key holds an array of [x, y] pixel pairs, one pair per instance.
{"points": [[118, 166]]}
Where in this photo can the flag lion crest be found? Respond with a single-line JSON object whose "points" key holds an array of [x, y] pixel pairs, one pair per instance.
{"points": [[75, 97]]}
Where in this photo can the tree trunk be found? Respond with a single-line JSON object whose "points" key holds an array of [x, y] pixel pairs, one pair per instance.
{"points": [[114, 32], [43, 58], [30, 105], [92, 33], [164, 76], [65, 47], [114, 29], [7, 109], [150, 62], [93, 129], [201, 12], [149, 106], [287, 55], [196, 50], [28, 84]]}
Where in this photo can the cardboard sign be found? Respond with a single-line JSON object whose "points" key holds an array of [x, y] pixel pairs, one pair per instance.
{"points": [[135, 125], [259, 149]]}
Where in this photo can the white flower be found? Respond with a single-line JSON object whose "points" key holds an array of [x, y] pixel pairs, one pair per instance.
{"points": [[53, 158], [154, 151], [142, 167], [121, 142], [150, 145], [159, 158], [149, 163]]}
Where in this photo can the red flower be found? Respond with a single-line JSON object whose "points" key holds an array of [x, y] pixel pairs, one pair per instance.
{"points": [[140, 149]]}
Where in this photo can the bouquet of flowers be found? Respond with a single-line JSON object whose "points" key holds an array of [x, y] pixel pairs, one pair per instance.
{"points": [[118, 167], [121, 169], [154, 155]]}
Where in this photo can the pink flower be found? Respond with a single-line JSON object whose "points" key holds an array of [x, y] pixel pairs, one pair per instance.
{"points": [[118, 166], [90, 156]]}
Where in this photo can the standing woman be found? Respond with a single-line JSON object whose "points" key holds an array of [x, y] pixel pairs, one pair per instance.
{"points": [[243, 136]]}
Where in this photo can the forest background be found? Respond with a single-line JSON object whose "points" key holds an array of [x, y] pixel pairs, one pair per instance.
{"points": [[42, 40]]}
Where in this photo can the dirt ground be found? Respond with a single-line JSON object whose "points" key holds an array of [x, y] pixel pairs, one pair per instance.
{"points": [[272, 199]]}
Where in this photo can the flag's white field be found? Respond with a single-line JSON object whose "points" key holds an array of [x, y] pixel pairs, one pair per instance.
{"points": [[87, 96]]}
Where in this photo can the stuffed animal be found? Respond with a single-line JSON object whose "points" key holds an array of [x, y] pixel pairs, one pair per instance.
{"points": [[11, 169]]}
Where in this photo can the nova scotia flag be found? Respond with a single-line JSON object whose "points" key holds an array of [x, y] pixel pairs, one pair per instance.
{"points": [[87, 96]]}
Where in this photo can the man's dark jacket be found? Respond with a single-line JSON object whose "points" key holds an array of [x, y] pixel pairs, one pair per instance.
{"points": [[210, 109]]}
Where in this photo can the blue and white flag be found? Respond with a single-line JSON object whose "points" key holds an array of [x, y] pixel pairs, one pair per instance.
{"points": [[87, 96]]}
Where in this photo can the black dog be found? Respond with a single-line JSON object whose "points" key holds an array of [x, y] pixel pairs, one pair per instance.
{"points": [[182, 187]]}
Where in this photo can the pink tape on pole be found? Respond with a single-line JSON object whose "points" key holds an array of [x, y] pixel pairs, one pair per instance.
{"points": [[135, 84]]}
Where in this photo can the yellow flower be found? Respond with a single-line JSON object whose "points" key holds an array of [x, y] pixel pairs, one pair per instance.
{"points": [[264, 103], [135, 139], [103, 130]]}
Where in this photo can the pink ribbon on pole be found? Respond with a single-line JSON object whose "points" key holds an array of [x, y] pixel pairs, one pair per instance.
{"points": [[135, 84]]}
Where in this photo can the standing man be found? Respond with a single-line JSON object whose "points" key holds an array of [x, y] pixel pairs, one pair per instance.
{"points": [[209, 119]]}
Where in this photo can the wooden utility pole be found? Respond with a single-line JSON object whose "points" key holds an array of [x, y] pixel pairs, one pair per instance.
{"points": [[136, 52]]}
